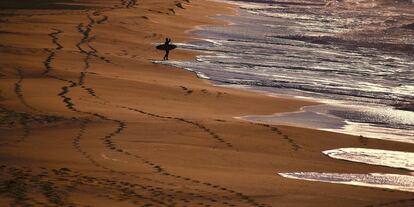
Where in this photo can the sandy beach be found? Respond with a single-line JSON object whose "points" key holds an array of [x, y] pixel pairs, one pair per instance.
{"points": [[86, 119]]}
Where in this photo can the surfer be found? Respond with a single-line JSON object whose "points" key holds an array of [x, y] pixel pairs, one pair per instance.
{"points": [[167, 46], [167, 51]]}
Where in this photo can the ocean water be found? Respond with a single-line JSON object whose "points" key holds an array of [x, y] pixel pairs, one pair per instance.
{"points": [[365, 91], [377, 180], [403, 160], [265, 48]]}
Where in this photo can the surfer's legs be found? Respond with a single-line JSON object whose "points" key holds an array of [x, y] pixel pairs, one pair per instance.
{"points": [[166, 54]]}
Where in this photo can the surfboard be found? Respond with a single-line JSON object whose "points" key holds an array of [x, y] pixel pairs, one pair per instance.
{"points": [[166, 47]]}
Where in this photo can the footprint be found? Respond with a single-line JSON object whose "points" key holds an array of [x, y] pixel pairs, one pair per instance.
{"points": [[186, 90]]}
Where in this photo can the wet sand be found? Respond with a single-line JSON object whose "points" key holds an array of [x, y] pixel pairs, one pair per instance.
{"points": [[88, 120]]}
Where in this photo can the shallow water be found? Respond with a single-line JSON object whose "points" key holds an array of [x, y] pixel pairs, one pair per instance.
{"points": [[388, 181], [348, 119], [262, 50], [387, 158], [367, 91]]}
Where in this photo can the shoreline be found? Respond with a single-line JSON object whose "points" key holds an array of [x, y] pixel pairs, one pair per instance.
{"points": [[330, 127], [122, 131], [342, 124], [317, 117], [281, 121]]}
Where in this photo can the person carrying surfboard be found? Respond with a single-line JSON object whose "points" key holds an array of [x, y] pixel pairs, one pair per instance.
{"points": [[167, 51], [167, 46]]}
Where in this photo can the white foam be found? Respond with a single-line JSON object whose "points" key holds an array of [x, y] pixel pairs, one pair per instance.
{"points": [[201, 75], [377, 180], [387, 158], [215, 42], [184, 45]]}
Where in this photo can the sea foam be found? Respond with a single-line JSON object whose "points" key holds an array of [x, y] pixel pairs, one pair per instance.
{"points": [[387, 158], [388, 181]]}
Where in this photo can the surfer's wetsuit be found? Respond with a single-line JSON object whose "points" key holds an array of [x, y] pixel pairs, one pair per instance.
{"points": [[167, 42]]}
